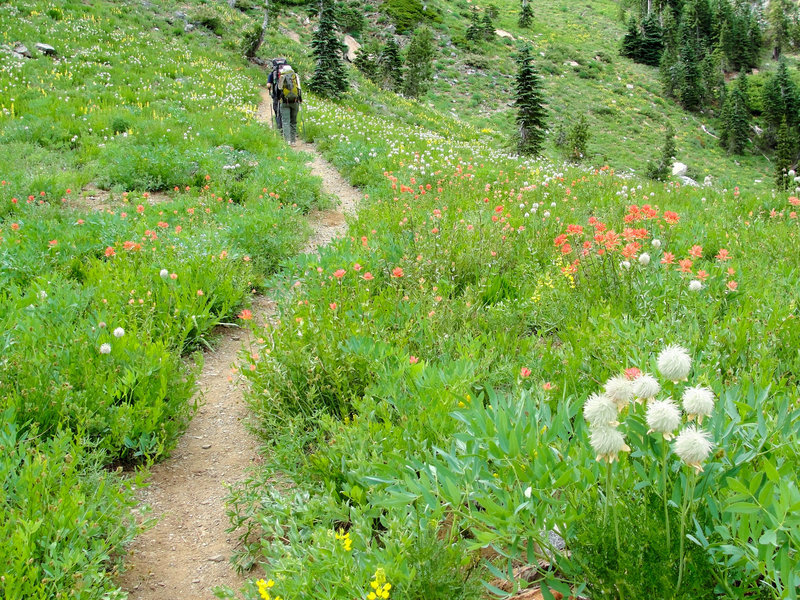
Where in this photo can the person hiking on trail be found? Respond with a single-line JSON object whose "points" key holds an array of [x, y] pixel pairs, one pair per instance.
{"points": [[272, 88], [290, 97]]}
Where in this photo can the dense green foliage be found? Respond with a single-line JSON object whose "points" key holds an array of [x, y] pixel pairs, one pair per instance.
{"points": [[329, 79], [140, 203], [529, 102]]}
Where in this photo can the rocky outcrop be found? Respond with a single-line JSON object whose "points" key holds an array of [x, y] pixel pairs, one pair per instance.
{"points": [[352, 47]]}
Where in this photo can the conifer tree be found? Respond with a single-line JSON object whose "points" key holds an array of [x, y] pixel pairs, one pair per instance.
{"points": [[660, 170], [368, 60], [474, 31], [778, 17], [529, 102], [780, 98], [525, 15], [690, 90], [487, 27], [652, 43], [784, 157], [419, 62], [632, 42], [736, 118], [391, 65], [329, 78]]}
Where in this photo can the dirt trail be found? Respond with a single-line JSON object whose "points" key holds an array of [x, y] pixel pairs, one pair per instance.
{"points": [[187, 553]]}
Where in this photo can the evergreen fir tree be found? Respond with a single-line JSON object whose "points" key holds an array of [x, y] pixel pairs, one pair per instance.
{"points": [[784, 157], [368, 60], [529, 102], [690, 90], [577, 139], [391, 65], [525, 15], [487, 27], [474, 31], [419, 62], [736, 118], [632, 42], [778, 18], [329, 78], [661, 169], [780, 98], [651, 42]]}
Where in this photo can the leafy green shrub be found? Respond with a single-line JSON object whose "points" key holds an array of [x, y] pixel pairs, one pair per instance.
{"points": [[408, 13], [63, 518]]}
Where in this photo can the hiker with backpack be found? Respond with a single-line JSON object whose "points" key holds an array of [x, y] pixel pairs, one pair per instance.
{"points": [[290, 96], [272, 88]]}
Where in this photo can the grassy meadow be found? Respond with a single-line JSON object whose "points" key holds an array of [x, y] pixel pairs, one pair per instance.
{"points": [[431, 392]]}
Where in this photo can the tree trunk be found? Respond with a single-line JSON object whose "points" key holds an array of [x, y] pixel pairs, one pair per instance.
{"points": [[264, 24]]}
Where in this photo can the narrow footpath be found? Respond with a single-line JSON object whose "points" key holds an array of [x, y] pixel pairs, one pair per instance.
{"points": [[187, 553]]}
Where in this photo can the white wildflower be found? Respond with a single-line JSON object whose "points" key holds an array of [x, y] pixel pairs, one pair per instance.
{"points": [[674, 363], [42, 295], [645, 387], [644, 259], [698, 402], [119, 332], [620, 390], [600, 411], [695, 285], [607, 442], [693, 446], [656, 243], [664, 417], [163, 273], [625, 264], [105, 348]]}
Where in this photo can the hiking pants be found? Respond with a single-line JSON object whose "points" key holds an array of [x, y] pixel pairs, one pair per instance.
{"points": [[289, 112]]}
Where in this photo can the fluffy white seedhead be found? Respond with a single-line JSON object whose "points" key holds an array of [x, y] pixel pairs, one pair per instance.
{"points": [[105, 348], [607, 442], [600, 411], [620, 390], [674, 363], [664, 417], [695, 285], [119, 332], [656, 243], [163, 273], [693, 446], [644, 259], [645, 387], [698, 402]]}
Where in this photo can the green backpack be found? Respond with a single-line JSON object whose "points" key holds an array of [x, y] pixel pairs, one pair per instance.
{"points": [[290, 87]]}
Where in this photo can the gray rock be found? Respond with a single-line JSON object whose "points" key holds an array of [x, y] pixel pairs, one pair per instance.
{"points": [[352, 47], [188, 28], [216, 558], [46, 49], [679, 169], [22, 50], [688, 181], [179, 14]]}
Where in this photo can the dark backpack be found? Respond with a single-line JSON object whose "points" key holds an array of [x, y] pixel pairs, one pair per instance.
{"points": [[277, 63], [289, 87]]}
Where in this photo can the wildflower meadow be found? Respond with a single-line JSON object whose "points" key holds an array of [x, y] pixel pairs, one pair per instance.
{"points": [[510, 372]]}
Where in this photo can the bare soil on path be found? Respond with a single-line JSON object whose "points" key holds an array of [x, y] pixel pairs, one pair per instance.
{"points": [[186, 554]]}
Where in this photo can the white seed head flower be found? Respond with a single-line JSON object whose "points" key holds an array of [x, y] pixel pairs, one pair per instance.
{"points": [[664, 417], [644, 259], [625, 264], [693, 446], [620, 390], [695, 285], [645, 387], [674, 363], [163, 273], [600, 411], [656, 243], [698, 402], [607, 442], [119, 332], [42, 295], [105, 348]]}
